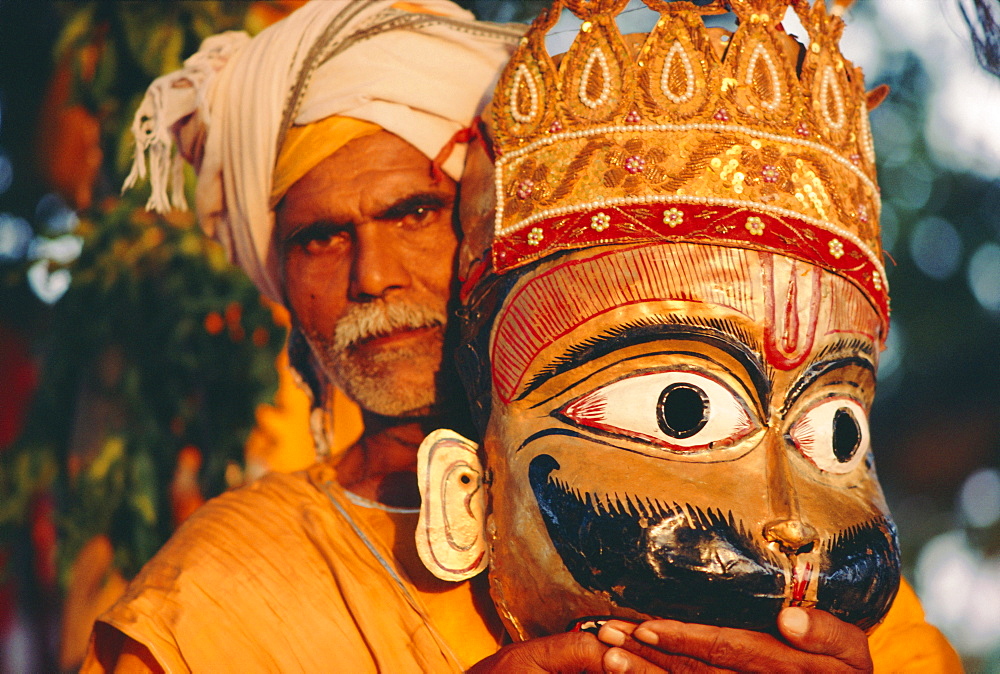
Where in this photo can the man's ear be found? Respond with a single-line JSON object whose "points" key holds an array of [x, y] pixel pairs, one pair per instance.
{"points": [[450, 530]]}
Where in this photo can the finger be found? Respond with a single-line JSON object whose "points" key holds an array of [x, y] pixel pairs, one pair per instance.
{"points": [[637, 658], [686, 647], [716, 646], [615, 632], [819, 632], [747, 651]]}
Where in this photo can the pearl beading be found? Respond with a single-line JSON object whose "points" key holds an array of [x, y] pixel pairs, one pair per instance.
{"points": [[756, 56], [522, 74], [512, 156], [596, 54], [827, 85], [639, 199], [867, 142], [677, 52]]}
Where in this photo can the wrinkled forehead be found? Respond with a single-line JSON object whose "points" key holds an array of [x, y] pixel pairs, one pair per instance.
{"points": [[794, 305]]}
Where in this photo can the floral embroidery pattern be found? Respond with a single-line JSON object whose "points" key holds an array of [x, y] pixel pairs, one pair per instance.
{"points": [[600, 222], [529, 190], [524, 188], [635, 164], [836, 248], [673, 217]]}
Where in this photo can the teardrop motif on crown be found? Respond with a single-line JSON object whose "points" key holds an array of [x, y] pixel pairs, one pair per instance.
{"points": [[865, 139], [596, 75], [524, 82], [677, 57], [829, 100], [587, 84], [763, 78], [676, 69]]}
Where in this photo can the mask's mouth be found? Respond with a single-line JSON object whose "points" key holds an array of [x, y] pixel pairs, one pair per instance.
{"points": [[681, 562]]}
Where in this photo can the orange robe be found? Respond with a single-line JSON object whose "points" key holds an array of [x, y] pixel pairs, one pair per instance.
{"points": [[289, 574]]}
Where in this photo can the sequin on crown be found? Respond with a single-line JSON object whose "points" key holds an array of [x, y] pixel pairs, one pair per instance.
{"points": [[693, 134]]}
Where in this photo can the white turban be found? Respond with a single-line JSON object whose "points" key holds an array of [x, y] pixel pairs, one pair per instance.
{"points": [[421, 76]]}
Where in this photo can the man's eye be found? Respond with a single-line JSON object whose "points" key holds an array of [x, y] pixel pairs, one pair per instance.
{"points": [[681, 411], [833, 434], [319, 240], [418, 216]]}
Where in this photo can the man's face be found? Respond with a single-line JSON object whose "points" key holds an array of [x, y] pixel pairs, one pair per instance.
{"points": [[681, 431], [367, 246]]}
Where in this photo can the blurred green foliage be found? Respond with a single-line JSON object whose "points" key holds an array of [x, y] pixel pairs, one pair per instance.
{"points": [[159, 343]]}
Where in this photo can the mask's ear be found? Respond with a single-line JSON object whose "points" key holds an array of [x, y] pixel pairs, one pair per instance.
{"points": [[450, 531]]}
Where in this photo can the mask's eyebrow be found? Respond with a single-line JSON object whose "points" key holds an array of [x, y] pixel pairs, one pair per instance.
{"points": [[554, 301], [723, 334], [840, 354]]}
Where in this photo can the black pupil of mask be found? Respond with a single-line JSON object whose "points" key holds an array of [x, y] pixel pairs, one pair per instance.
{"points": [[846, 435], [682, 410]]}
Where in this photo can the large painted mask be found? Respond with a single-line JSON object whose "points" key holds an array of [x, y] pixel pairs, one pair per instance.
{"points": [[673, 314]]}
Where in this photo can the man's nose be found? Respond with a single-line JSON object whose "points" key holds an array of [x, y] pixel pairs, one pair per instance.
{"points": [[378, 266], [788, 529]]}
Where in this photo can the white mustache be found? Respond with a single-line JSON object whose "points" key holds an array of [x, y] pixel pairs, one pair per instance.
{"points": [[378, 318]]}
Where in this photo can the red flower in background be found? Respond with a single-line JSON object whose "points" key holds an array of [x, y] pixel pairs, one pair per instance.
{"points": [[18, 378]]}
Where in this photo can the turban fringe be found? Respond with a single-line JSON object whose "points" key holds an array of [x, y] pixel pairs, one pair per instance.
{"points": [[422, 76]]}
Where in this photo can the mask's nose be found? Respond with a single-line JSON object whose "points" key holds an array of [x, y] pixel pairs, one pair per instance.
{"points": [[793, 536], [788, 530]]}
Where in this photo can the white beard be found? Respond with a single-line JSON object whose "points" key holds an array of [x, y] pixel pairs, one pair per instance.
{"points": [[370, 379]]}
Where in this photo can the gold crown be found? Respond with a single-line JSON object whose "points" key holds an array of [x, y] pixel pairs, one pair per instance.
{"points": [[690, 133]]}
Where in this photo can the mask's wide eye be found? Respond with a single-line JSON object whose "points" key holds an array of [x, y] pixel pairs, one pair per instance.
{"points": [[833, 434], [678, 410]]}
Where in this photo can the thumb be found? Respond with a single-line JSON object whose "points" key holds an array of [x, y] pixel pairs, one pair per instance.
{"points": [[819, 632]]}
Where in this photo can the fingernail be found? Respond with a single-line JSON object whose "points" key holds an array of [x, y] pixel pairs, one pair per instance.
{"points": [[615, 662], [795, 621], [646, 636], [612, 636]]}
